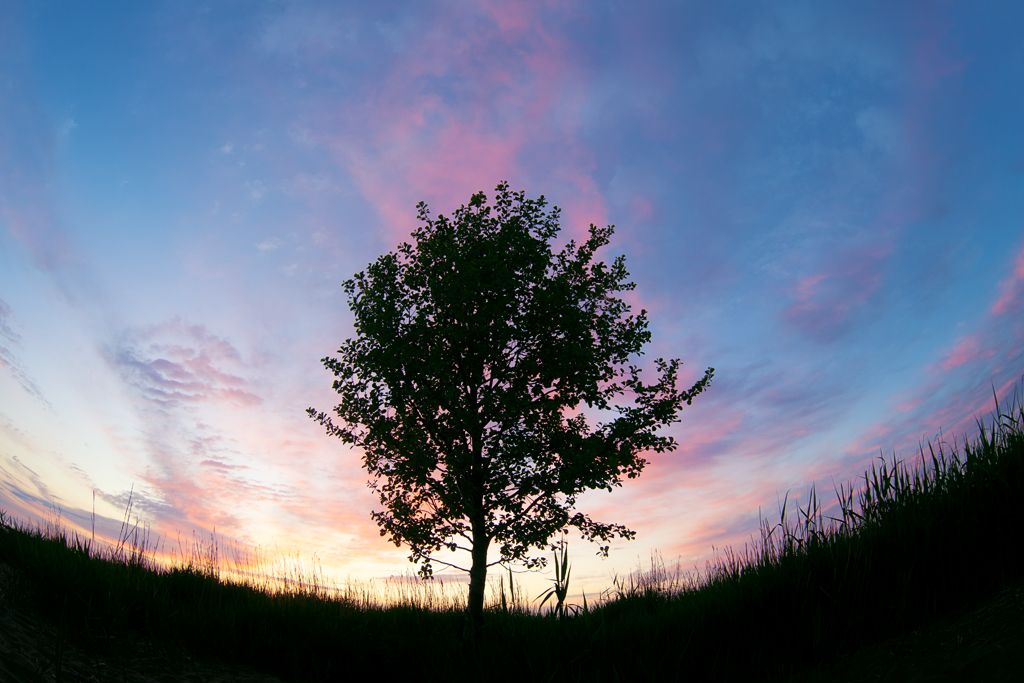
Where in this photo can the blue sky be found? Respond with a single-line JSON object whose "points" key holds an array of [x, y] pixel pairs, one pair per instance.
{"points": [[823, 201]]}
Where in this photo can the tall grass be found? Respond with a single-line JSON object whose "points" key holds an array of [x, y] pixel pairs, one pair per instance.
{"points": [[908, 542]]}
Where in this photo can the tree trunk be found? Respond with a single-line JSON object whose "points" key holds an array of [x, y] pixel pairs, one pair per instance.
{"points": [[478, 522], [477, 580]]}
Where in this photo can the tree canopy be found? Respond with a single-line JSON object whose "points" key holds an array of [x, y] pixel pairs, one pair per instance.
{"points": [[492, 379]]}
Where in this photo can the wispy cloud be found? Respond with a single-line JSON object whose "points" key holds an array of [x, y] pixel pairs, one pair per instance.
{"points": [[965, 350], [212, 455], [270, 244], [825, 304], [9, 340], [445, 118], [183, 375], [29, 144], [961, 385], [1011, 289], [305, 32], [175, 364]]}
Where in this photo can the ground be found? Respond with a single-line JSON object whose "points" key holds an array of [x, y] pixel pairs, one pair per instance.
{"points": [[32, 650], [981, 644]]}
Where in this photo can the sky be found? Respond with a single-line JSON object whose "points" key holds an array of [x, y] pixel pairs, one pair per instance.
{"points": [[823, 201]]}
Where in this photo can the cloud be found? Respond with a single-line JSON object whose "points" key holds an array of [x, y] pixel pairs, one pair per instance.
{"points": [[741, 444], [9, 339], [210, 452], [176, 364], [824, 305], [29, 145], [267, 245], [256, 189], [25, 482], [966, 350], [66, 128], [444, 118], [1011, 289], [6, 324], [306, 33], [180, 377], [219, 464], [882, 130], [960, 386]]}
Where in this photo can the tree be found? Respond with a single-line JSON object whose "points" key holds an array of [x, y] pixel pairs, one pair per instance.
{"points": [[476, 346]]}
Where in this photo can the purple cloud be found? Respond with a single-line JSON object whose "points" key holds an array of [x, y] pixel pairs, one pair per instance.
{"points": [[177, 364], [824, 305]]}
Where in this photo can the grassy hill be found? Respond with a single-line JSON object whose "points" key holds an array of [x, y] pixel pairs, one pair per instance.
{"points": [[915, 572]]}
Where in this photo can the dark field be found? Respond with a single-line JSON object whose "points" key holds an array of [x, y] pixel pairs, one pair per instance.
{"points": [[913, 573]]}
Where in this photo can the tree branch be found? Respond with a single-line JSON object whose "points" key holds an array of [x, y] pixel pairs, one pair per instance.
{"points": [[512, 518], [432, 560]]}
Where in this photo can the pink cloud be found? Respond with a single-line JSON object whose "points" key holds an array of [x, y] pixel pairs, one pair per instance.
{"points": [[174, 363], [511, 17], [965, 350], [585, 204], [1011, 290], [873, 439], [449, 118], [823, 304], [827, 301], [731, 526], [935, 416], [642, 208], [909, 405], [442, 168], [33, 225]]}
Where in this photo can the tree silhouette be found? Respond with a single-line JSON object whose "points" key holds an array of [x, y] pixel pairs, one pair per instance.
{"points": [[476, 346]]}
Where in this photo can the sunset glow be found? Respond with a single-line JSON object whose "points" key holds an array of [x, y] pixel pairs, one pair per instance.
{"points": [[825, 204]]}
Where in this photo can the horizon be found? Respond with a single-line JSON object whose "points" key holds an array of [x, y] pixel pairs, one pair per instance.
{"points": [[823, 203]]}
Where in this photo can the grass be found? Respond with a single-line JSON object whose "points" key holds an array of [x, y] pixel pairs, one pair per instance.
{"points": [[909, 544]]}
